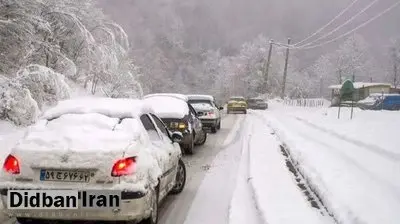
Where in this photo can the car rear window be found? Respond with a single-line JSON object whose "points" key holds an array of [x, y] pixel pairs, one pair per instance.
{"points": [[88, 119], [199, 101]]}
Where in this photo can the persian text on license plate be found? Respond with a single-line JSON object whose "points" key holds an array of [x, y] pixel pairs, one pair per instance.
{"points": [[65, 176]]}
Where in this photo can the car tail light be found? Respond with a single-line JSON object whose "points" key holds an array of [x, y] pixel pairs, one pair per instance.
{"points": [[11, 165], [124, 167], [210, 113]]}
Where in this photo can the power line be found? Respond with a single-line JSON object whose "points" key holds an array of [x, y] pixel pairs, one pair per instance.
{"points": [[344, 24], [357, 28], [328, 24]]}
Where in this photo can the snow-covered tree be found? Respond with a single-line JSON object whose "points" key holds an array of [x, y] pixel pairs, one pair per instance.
{"points": [[353, 59], [46, 86], [394, 55], [45, 41]]}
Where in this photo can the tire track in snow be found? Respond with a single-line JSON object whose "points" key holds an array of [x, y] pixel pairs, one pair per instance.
{"points": [[357, 165], [303, 183], [373, 148], [361, 172], [244, 206], [211, 202]]}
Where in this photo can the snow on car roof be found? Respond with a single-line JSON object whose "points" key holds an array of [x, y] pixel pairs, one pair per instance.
{"points": [[175, 95], [200, 97], [118, 108], [237, 97], [167, 106], [385, 94]]}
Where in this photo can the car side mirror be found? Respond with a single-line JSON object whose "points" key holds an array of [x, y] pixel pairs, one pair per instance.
{"points": [[177, 136], [221, 108]]}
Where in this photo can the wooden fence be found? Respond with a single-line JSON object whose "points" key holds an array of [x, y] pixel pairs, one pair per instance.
{"points": [[316, 102]]}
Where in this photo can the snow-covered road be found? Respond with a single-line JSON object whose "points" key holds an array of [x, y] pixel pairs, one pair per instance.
{"points": [[352, 164], [183, 208], [240, 176]]}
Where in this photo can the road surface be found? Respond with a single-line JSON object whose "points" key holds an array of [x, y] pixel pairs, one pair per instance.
{"points": [[175, 209], [187, 207], [213, 172]]}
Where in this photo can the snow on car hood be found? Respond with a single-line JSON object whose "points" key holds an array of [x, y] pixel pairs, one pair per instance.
{"points": [[168, 107]]}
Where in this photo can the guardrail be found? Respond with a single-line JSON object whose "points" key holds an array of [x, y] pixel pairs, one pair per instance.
{"points": [[316, 102]]}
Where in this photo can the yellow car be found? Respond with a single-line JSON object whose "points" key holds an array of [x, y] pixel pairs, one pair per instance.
{"points": [[237, 103]]}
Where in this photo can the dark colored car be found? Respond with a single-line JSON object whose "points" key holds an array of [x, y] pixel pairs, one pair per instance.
{"points": [[207, 110], [175, 111], [257, 104]]}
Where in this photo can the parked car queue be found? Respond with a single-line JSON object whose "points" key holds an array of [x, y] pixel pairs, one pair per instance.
{"points": [[129, 145]]}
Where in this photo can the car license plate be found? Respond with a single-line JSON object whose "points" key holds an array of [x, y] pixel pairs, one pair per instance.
{"points": [[65, 176]]}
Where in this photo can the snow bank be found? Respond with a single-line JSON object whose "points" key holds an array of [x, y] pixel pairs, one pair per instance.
{"points": [[45, 85], [358, 182], [277, 195], [167, 107], [373, 129]]}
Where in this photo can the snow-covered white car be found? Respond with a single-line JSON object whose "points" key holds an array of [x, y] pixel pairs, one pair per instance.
{"points": [[207, 110], [98, 144], [179, 115]]}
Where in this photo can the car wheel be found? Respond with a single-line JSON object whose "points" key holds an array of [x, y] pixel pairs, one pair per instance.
{"points": [[214, 129], [245, 112], [219, 125], [180, 179], [203, 139], [153, 219], [190, 146]]}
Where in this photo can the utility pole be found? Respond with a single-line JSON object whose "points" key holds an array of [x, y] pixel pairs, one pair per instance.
{"points": [[285, 70], [321, 84], [395, 74], [271, 42]]}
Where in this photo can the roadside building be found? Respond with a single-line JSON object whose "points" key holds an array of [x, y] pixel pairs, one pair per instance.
{"points": [[362, 91]]}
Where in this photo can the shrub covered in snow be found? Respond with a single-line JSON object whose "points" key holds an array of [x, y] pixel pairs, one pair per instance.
{"points": [[45, 85], [16, 103]]}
